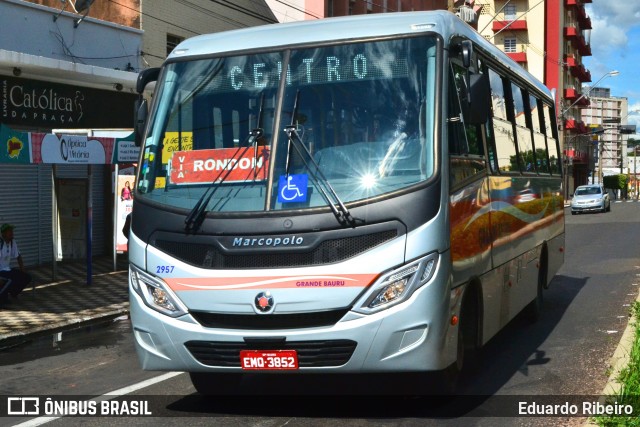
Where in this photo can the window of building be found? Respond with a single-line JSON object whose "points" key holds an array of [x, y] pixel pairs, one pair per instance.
{"points": [[510, 44], [510, 12], [172, 42]]}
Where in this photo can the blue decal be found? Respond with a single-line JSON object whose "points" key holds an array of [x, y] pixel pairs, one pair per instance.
{"points": [[292, 188]]}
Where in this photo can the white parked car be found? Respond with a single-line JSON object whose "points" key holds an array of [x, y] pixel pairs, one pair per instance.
{"points": [[588, 198]]}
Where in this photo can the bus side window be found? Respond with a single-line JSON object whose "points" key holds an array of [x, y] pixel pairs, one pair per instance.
{"points": [[505, 142], [539, 140], [523, 133], [552, 142], [466, 149]]}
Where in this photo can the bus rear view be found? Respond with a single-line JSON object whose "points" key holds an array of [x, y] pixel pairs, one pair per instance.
{"points": [[291, 213]]}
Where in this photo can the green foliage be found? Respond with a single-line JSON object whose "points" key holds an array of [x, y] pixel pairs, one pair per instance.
{"points": [[616, 182], [540, 160]]}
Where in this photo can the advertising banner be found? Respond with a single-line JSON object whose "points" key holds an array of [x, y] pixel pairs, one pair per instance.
{"points": [[71, 149], [36, 103], [14, 146], [125, 150], [124, 188]]}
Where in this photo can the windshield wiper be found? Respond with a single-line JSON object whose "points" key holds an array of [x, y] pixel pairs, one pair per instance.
{"points": [[196, 216], [194, 219], [322, 183]]}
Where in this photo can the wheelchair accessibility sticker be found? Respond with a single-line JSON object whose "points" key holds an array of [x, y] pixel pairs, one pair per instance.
{"points": [[292, 188]]}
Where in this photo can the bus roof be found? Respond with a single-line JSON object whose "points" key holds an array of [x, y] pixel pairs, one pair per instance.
{"points": [[343, 28]]}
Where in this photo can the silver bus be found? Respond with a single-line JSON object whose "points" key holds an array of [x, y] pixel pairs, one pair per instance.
{"points": [[372, 194]]}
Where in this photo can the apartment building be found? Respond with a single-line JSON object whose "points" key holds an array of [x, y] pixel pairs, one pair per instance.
{"points": [[606, 113]]}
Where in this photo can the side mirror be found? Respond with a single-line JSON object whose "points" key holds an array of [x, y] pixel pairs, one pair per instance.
{"points": [[141, 109], [139, 120], [467, 52], [479, 95], [145, 77]]}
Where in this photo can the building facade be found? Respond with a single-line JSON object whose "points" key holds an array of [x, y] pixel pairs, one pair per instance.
{"points": [[606, 113], [73, 71], [297, 10]]}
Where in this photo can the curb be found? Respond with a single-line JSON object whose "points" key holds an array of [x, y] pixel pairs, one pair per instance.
{"points": [[619, 360], [17, 338]]}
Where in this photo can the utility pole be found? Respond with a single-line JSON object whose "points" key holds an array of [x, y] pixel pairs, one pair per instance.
{"points": [[600, 154]]}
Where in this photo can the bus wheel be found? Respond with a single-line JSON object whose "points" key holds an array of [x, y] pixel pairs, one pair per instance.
{"points": [[534, 308], [468, 353], [215, 384]]}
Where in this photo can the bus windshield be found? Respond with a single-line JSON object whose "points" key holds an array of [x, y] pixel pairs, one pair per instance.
{"points": [[361, 114]]}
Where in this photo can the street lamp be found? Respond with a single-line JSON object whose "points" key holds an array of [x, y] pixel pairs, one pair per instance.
{"points": [[610, 73]]}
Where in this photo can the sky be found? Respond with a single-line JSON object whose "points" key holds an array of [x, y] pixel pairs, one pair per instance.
{"points": [[615, 45]]}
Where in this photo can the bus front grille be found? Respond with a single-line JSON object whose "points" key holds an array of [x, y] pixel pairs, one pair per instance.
{"points": [[330, 251], [310, 353], [269, 321]]}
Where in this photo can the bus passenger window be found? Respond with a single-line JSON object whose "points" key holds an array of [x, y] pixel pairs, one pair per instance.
{"points": [[539, 140], [502, 128], [523, 133], [466, 150], [552, 143]]}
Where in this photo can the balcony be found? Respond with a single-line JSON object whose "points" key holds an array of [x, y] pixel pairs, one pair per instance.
{"points": [[517, 25], [519, 57], [572, 95], [575, 126], [577, 69], [577, 40], [583, 19], [577, 155]]}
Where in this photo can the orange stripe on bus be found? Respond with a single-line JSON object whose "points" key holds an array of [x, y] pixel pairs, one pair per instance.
{"points": [[281, 282]]}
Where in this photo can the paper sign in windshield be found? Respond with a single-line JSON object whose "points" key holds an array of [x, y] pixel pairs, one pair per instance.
{"points": [[216, 165]]}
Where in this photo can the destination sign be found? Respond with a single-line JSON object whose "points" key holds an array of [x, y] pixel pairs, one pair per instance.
{"points": [[223, 164]]}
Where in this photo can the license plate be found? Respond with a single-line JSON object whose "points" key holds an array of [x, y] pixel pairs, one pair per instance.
{"points": [[268, 359]]}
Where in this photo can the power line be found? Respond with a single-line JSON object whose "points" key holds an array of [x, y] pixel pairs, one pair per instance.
{"points": [[154, 17], [244, 10]]}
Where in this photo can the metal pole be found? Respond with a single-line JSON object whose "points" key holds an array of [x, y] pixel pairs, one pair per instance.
{"points": [[89, 225], [600, 154], [115, 216]]}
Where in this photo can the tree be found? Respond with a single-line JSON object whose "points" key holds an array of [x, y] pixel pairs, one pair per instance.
{"points": [[541, 162], [616, 182]]}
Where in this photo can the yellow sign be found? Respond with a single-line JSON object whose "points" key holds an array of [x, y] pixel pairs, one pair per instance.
{"points": [[171, 144]]}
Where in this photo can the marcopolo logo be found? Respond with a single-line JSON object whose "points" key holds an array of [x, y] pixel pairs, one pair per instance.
{"points": [[270, 241]]}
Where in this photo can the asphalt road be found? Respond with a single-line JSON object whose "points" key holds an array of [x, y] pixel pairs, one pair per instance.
{"points": [[566, 352]]}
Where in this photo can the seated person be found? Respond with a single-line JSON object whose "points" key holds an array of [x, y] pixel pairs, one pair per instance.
{"points": [[15, 278]]}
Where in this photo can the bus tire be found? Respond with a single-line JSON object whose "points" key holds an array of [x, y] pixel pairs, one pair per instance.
{"points": [[534, 308], [468, 350]]}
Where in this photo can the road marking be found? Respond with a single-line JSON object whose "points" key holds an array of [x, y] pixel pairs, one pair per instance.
{"points": [[107, 396]]}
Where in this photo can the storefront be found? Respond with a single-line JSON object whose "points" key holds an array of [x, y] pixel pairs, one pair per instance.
{"points": [[57, 188]]}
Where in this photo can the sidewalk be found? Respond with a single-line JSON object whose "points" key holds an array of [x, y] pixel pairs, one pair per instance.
{"points": [[50, 306]]}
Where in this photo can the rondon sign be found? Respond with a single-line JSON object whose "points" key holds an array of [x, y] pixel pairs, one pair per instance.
{"points": [[223, 164]]}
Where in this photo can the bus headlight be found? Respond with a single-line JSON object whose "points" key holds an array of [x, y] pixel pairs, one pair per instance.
{"points": [[155, 293], [398, 285]]}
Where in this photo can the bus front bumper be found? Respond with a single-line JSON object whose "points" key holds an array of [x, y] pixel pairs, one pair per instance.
{"points": [[412, 336]]}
